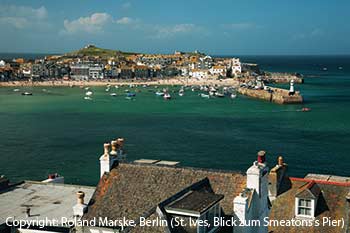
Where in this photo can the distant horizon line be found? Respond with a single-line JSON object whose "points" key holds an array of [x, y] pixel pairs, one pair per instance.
{"points": [[215, 55]]}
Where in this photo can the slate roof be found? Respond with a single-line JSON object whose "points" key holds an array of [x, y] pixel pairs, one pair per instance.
{"points": [[309, 190], [331, 203], [132, 190]]}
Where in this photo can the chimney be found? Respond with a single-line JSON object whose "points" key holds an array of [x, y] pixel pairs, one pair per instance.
{"points": [[105, 159], [80, 208], [261, 156], [276, 178]]}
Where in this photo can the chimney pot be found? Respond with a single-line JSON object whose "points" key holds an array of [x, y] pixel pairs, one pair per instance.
{"points": [[280, 161], [261, 156], [120, 142], [114, 147], [80, 197], [106, 147]]}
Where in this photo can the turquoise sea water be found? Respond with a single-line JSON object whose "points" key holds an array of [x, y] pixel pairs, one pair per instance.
{"points": [[58, 131]]}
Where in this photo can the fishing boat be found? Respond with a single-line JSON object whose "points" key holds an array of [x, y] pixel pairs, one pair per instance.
{"points": [[159, 93], [27, 93], [130, 94], [107, 89], [204, 96], [87, 98], [113, 94], [87, 88], [16, 90], [220, 95], [181, 92], [233, 95], [306, 109], [89, 93], [167, 96]]}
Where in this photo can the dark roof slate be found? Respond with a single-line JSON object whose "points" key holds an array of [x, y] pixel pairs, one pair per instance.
{"points": [[132, 190]]}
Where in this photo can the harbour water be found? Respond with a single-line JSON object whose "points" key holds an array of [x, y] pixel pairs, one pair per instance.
{"points": [[56, 130]]}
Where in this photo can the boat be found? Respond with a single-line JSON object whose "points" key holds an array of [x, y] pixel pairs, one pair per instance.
{"points": [[233, 96], [167, 96], [27, 93], [159, 93], [181, 92], [89, 93], [130, 94], [128, 98], [204, 96], [306, 109], [107, 89], [220, 95], [325, 68], [16, 90], [87, 98], [113, 94], [87, 88], [340, 68]]}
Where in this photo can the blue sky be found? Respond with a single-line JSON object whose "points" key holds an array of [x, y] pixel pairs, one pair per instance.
{"points": [[253, 27]]}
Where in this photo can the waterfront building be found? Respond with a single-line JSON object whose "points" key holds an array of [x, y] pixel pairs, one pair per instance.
{"points": [[79, 71], [96, 71], [218, 70], [198, 73]]}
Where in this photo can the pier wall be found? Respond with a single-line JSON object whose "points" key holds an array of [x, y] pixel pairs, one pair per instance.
{"points": [[283, 78], [279, 96]]}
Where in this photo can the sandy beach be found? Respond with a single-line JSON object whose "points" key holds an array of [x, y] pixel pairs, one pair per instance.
{"points": [[172, 81]]}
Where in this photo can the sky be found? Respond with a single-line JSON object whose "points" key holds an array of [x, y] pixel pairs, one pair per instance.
{"points": [[221, 27]]}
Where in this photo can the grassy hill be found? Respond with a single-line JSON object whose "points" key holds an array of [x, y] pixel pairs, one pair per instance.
{"points": [[95, 51]]}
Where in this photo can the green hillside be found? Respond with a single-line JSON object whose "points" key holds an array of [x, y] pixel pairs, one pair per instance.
{"points": [[95, 51]]}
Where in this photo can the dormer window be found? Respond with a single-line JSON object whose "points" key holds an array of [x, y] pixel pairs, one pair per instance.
{"points": [[306, 200], [196, 206]]}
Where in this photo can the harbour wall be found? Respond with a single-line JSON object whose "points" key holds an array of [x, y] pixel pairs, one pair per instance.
{"points": [[283, 78], [278, 95]]}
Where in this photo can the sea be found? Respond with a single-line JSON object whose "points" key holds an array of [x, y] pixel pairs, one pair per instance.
{"points": [[57, 131]]}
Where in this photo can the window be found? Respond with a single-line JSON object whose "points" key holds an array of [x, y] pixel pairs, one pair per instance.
{"points": [[209, 216], [304, 207]]}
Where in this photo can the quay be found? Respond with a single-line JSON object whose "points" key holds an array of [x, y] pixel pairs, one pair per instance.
{"points": [[275, 95], [283, 78]]}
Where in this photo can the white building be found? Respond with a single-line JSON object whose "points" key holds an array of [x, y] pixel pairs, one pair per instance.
{"points": [[236, 67], [218, 70], [2, 63], [198, 73]]}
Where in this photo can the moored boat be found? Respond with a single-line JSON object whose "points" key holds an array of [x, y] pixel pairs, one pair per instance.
{"points": [[27, 93]]}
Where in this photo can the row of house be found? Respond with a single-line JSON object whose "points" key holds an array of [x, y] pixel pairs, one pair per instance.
{"points": [[76, 67], [162, 193]]}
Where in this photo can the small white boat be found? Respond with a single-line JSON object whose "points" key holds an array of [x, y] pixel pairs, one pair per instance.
{"points": [[107, 89], [113, 94], [87, 98], [16, 90], [340, 68], [233, 96], [325, 69], [159, 93], [87, 88], [167, 96], [27, 93], [204, 96], [116, 86], [181, 93], [89, 93], [220, 95]]}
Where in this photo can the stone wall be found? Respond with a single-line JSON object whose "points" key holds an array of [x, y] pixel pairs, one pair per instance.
{"points": [[279, 96]]}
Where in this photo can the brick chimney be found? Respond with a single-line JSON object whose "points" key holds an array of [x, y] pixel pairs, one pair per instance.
{"points": [[80, 208], [276, 177]]}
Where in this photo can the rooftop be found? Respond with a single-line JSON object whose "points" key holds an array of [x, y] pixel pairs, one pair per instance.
{"points": [[50, 200], [194, 202]]}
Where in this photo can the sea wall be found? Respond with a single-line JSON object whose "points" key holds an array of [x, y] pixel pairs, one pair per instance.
{"points": [[283, 78], [278, 95]]}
